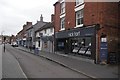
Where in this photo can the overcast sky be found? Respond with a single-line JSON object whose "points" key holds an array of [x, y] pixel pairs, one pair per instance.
{"points": [[15, 13]]}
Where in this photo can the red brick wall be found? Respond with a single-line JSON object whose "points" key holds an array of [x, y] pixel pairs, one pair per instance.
{"points": [[57, 16], [106, 14], [90, 13], [69, 18], [70, 15]]}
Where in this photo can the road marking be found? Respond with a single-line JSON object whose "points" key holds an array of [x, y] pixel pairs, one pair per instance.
{"points": [[21, 69]]}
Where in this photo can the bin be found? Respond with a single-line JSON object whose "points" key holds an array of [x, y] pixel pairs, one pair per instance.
{"points": [[36, 51]]}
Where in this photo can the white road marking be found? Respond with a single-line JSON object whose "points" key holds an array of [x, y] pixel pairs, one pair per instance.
{"points": [[21, 69]]}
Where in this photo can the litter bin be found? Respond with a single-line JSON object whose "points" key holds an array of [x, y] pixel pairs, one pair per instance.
{"points": [[36, 51]]}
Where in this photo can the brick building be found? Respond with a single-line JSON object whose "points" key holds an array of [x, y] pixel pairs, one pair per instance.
{"points": [[84, 28], [22, 35]]}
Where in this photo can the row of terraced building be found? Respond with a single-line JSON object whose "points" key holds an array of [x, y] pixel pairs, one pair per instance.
{"points": [[87, 29]]}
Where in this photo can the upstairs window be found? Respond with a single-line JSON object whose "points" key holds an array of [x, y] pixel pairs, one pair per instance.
{"points": [[78, 2], [45, 31], [62, 23], [79, 17], [62, 7]]}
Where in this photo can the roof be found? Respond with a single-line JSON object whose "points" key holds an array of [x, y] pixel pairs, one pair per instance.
{"points": [[46, 26], [39, 24], [29, 27], [20, 31]]}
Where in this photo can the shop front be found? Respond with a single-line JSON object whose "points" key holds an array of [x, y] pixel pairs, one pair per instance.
{"points": [[80, 41], [47, 43]]}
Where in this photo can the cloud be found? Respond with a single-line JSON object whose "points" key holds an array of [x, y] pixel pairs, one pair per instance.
{"points": [[15, 13]]}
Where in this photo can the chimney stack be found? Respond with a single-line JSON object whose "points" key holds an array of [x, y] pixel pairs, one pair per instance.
{"points": [[41, 18], [52, 17], [28, 23]]}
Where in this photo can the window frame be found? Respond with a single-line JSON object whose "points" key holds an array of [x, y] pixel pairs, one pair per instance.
{"points": [[79, 20], [62, 7], [79, 2], [62, 23]]}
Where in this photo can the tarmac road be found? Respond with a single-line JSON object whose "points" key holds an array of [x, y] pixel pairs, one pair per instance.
{"points": [[37, 67], [0, 61]]}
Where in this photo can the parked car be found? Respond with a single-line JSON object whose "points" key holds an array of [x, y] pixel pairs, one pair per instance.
{"points": [[14, 44]]}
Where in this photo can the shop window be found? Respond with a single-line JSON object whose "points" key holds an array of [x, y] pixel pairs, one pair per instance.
{"points": [[45, 44], [81, 45], [79, 17], [82, 50], [88, 41], [60, 45], [88, 52], [75, 50]]}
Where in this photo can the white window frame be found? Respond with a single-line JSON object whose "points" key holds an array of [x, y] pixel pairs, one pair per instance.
{"points": [[79, 2], [80, 12], [62, 7], [62, 23]]}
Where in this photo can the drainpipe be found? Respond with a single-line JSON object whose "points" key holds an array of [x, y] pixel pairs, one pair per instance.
{"points": [[96, 48]]}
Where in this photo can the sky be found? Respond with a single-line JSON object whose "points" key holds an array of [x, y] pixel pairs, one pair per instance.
{"points": [[15, 13]]}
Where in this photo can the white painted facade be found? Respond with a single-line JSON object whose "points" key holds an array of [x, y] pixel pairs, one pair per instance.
{"points": [[45, 32]]}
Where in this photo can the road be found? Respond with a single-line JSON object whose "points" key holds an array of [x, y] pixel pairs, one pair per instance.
{"points": [[0, 61], [37, 67]]}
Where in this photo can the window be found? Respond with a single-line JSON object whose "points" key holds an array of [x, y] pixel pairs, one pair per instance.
{"points": [[62, 7], [45, 44], [45, 31], [30, 33], [62, 23], [38, 43], [51, 30], [78, 2], [79, 17]]}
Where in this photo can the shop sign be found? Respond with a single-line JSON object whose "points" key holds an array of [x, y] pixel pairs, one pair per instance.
{"points": [[103, 52], [72, 34], [76, 32]]}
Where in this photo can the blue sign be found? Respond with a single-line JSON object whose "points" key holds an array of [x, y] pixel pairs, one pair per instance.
{"points": [[103, 52]]}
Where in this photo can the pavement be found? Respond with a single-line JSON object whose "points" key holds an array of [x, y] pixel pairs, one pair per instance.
{"points": [[81, 65], [11, 67]]}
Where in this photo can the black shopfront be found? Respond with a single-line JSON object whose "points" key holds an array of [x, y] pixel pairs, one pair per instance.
{"points": [[81, 41]]}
